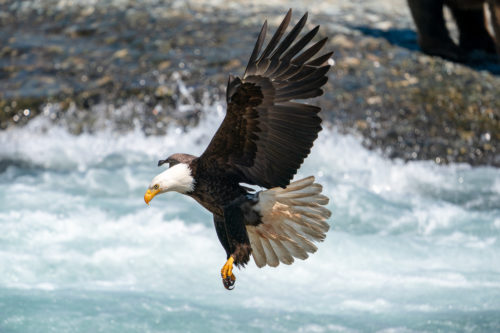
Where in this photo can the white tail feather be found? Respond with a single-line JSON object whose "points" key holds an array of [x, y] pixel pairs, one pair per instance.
{"points": [[257, 249], [299, 239], [292, 219], [271, 257]]}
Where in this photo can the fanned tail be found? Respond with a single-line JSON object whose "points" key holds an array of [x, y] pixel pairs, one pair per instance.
{"points": [[292, 219]]}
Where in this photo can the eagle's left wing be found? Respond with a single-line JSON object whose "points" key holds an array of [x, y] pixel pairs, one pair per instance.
{"points": [[265, 137]]}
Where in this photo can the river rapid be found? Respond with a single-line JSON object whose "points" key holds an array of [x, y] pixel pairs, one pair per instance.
{"points": [[412, 246]]}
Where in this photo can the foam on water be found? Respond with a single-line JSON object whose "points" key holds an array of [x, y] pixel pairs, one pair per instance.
{"points": [[412, 246]]}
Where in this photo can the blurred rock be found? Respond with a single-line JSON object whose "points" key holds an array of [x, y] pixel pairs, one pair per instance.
{"points": [[152, 64]]}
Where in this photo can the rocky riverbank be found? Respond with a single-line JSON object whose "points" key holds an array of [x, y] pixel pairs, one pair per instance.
{"points": [[123, 64]]}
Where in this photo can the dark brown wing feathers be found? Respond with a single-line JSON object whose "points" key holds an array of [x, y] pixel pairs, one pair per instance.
{"points": [[265, 137], [321, 60], [275, 39], [256, 49], [297, 47], [285, 44]]}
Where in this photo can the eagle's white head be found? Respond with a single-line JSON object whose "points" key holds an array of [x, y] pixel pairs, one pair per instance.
{"points": [[176, 178]]}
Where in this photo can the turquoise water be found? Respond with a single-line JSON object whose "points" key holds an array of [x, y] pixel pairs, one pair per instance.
{"points": [[412, 247]]}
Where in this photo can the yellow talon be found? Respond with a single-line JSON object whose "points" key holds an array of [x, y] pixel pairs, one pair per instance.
{"points": [[228, 278], [227, 269]]}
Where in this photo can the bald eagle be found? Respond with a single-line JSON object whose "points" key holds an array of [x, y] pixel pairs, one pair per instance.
{"points": [[262, 141]]}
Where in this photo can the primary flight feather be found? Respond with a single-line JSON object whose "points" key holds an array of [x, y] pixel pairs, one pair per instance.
{"points": [[263, 139]]}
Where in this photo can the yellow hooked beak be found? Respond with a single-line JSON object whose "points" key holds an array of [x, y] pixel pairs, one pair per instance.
{"points": [[150, 194]]}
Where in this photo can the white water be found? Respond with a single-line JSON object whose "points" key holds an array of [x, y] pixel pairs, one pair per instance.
{"points": [[413, 247]]}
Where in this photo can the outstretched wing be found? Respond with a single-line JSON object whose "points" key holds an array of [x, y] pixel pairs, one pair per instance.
{"points": [[265, 137]]}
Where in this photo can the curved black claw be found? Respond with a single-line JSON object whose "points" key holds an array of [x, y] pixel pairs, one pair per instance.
{"points": [[228, 283]]}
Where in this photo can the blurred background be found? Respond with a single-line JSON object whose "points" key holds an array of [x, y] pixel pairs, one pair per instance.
{"points": [[94, 93]]}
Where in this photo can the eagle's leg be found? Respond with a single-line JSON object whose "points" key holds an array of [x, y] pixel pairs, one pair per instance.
{"points": [[233, 236], [228, 278]]}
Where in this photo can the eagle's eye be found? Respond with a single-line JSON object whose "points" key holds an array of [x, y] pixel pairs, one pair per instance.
{"points": [[156, 187]]}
